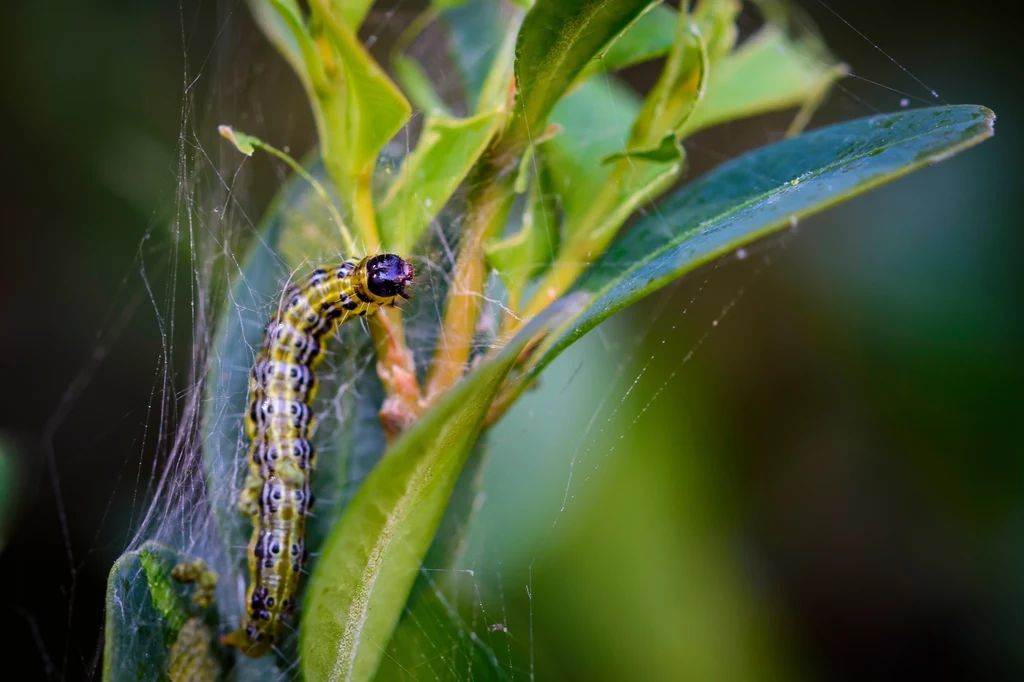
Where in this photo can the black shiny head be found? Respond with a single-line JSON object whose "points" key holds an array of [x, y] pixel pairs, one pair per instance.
{"points": [[387, 276]]}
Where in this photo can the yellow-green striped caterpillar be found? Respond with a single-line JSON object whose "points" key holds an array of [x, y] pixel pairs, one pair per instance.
{"points": [[276, 494]]}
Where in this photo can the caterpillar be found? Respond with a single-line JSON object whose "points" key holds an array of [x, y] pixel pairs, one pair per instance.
{"points": [[276, 494]]}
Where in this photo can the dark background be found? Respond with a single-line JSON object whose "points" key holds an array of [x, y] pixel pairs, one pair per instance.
{"points": [[847, 441]]}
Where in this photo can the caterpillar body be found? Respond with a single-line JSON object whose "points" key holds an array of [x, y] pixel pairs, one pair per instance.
{"points": [[276, 494]]}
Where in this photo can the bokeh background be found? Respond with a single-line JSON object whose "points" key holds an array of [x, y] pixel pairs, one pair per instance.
{"points": [[831, 488]]}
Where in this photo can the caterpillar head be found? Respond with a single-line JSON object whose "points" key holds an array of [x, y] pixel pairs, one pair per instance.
{"points": [[387, 277]]}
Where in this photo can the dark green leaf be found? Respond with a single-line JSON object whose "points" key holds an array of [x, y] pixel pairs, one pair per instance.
{"points": [[368, 565], [763, 192]]}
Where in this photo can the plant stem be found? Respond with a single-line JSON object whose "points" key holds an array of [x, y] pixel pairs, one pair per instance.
{"points": [[397, 371], [362, 208], [487, 208], [346, 236]]}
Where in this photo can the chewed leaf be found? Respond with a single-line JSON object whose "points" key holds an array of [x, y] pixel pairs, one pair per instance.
{"points": [[146, 612], [762, 192], [367, 567]]}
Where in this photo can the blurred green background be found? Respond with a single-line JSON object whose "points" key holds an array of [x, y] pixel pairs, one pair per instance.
{"points": [[830, 488]]}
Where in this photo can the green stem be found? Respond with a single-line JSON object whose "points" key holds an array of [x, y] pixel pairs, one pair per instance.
{"points": [[350, 244], [487, 208]]}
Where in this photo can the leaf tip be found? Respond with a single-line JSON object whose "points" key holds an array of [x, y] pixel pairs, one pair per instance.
{"points": [[239, 140]]}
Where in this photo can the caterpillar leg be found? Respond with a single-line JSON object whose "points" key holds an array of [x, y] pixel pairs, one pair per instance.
{"points": [[291, 474], [249, 497], [202, 575]]}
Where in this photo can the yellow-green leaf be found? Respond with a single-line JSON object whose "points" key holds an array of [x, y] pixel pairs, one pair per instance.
{"points": [[677, 92], [447, 150], [517, 257], [417, 85], [375, 109], [769, 72], [351, 12], [649, 37]]}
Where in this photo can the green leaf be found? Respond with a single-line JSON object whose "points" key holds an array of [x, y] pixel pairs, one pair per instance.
{"points": [[556, 41], [367, 567], [426, 606], [595, 120], [146, 611], [375, 109], [447, 150], [649, 37], [762, 192], [417, 86], [482, 35], [667, 150], [279, 26], [518, 257], [716, 20], [769, 72], [351, 12], [285, 27], [598, 198], [677, 92]]}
